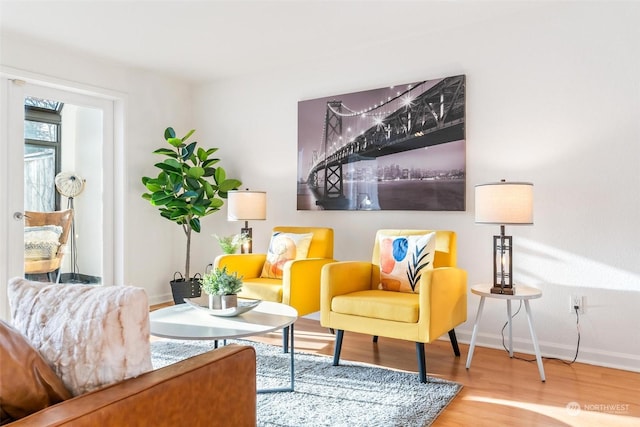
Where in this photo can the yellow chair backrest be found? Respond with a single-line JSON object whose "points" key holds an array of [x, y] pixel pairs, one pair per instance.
{"points": [[446, 251], [321, 244]]}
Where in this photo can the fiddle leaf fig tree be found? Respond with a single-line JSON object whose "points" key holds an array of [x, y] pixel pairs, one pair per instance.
{"points": [[188, 186]]}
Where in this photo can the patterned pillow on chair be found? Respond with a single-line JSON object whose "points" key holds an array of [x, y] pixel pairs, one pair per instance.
{"points": [[41, 242], [282, 248], [403, 259]]}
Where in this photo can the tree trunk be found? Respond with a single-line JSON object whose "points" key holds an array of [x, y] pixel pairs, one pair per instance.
{"points": [[187, 231]]}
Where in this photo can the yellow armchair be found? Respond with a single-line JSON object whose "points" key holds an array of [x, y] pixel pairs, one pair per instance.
{"points": [[300, 283], [352, 301]]}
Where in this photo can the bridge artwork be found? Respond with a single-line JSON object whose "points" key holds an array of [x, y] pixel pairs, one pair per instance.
{"points": [[399, 148]]}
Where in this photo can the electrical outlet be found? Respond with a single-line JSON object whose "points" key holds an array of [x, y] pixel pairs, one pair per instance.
{"points": [[576, 301]]}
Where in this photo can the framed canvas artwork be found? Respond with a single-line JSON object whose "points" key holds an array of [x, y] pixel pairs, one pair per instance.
{"points": [[395, 148]]}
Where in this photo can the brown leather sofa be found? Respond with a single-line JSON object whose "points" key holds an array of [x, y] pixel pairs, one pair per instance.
{"points": [[217, 388]]}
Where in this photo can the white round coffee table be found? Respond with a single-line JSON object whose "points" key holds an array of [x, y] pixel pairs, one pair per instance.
{"points": [[185, 322]]}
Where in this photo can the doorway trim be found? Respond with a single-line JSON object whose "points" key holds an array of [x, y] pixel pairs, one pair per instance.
{"points": [[113, 183]]}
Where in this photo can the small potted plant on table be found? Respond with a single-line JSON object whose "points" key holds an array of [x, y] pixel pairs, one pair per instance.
{"points": [[222, 288]]}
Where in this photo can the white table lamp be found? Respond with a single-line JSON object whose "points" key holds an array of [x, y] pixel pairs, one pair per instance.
{"points": [[504, 203], [244, 206]]}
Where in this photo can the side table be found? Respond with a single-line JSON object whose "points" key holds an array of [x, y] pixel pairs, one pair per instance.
{"points": [[523, 293]]}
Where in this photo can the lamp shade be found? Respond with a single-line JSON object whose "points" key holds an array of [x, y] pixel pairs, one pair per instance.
{"points": [[246, 205], [504, 203]]}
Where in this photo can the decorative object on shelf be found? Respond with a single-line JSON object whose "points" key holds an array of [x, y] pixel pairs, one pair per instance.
{"points": [[231, 244], [188, 186], [222, 288], [399, 147], [504, 203], [244, 206]]}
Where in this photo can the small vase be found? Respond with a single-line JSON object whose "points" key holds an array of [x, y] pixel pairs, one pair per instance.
{"points": [[229, 301], [215, 302]]}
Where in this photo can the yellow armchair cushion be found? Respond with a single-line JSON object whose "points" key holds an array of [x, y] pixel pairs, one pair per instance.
{"points": [[262, 289], [379, 304]]}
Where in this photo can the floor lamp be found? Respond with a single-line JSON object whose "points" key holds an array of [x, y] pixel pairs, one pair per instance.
{"points": [[504, 203], [245, 206]]}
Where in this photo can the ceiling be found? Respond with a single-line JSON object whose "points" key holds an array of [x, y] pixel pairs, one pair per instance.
{"points": [[209, 40]]}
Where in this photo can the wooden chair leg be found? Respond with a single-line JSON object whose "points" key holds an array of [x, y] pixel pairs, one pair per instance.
{"points": [[454, 342], [422, 363], [337, 347]]}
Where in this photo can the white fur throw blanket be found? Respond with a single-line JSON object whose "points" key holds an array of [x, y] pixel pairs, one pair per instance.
{"points": [[91, 335]]}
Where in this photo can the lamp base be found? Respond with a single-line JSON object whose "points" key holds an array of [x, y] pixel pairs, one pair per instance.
{"points": [[246, 248], [507, 290]]}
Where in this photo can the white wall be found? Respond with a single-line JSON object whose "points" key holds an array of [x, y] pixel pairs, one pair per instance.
{"points": [[553, 97], [81, 138]]}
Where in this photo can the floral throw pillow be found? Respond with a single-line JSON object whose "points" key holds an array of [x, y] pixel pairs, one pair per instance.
{"points": [[282, 248], [403, 259]]}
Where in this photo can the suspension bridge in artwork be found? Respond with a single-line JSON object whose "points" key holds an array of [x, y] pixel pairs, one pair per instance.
{"points": [[421, 115]]}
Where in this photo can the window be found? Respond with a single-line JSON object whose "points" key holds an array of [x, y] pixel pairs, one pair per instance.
{"points": [[42, 136]]}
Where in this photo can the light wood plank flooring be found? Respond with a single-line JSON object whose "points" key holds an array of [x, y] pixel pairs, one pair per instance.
{"points": [[497, 390]]}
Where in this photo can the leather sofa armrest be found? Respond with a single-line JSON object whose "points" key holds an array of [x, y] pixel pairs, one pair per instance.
{"points": [[249, 266], [217, 385]]}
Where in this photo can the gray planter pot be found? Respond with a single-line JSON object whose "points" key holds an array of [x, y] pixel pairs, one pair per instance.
{"points": [[229, 301], [215, 302]]}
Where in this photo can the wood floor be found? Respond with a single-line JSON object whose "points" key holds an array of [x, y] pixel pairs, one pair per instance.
{"points": [[496, 390]]}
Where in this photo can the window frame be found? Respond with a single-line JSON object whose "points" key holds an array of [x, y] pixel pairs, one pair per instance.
{"points": [[49, 116]]}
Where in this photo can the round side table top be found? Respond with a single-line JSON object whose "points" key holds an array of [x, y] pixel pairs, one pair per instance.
{"points": [[522, 292]]}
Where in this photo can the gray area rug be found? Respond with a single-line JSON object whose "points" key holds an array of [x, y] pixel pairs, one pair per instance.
{"points": [[352, 394]]}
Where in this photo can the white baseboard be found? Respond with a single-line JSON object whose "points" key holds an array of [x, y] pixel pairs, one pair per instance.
{"points": [[591, 356], [161, 299]]}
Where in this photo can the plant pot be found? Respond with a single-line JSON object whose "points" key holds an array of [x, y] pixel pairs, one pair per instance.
{"points": [[182, 288], [229, 301], [215, 302]]}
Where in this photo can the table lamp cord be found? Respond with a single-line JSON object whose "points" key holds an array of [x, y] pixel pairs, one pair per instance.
{"points": [[548, 358]]}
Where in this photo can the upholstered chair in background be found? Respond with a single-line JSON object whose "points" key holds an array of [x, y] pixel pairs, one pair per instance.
{"points": [[46, 235]]}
